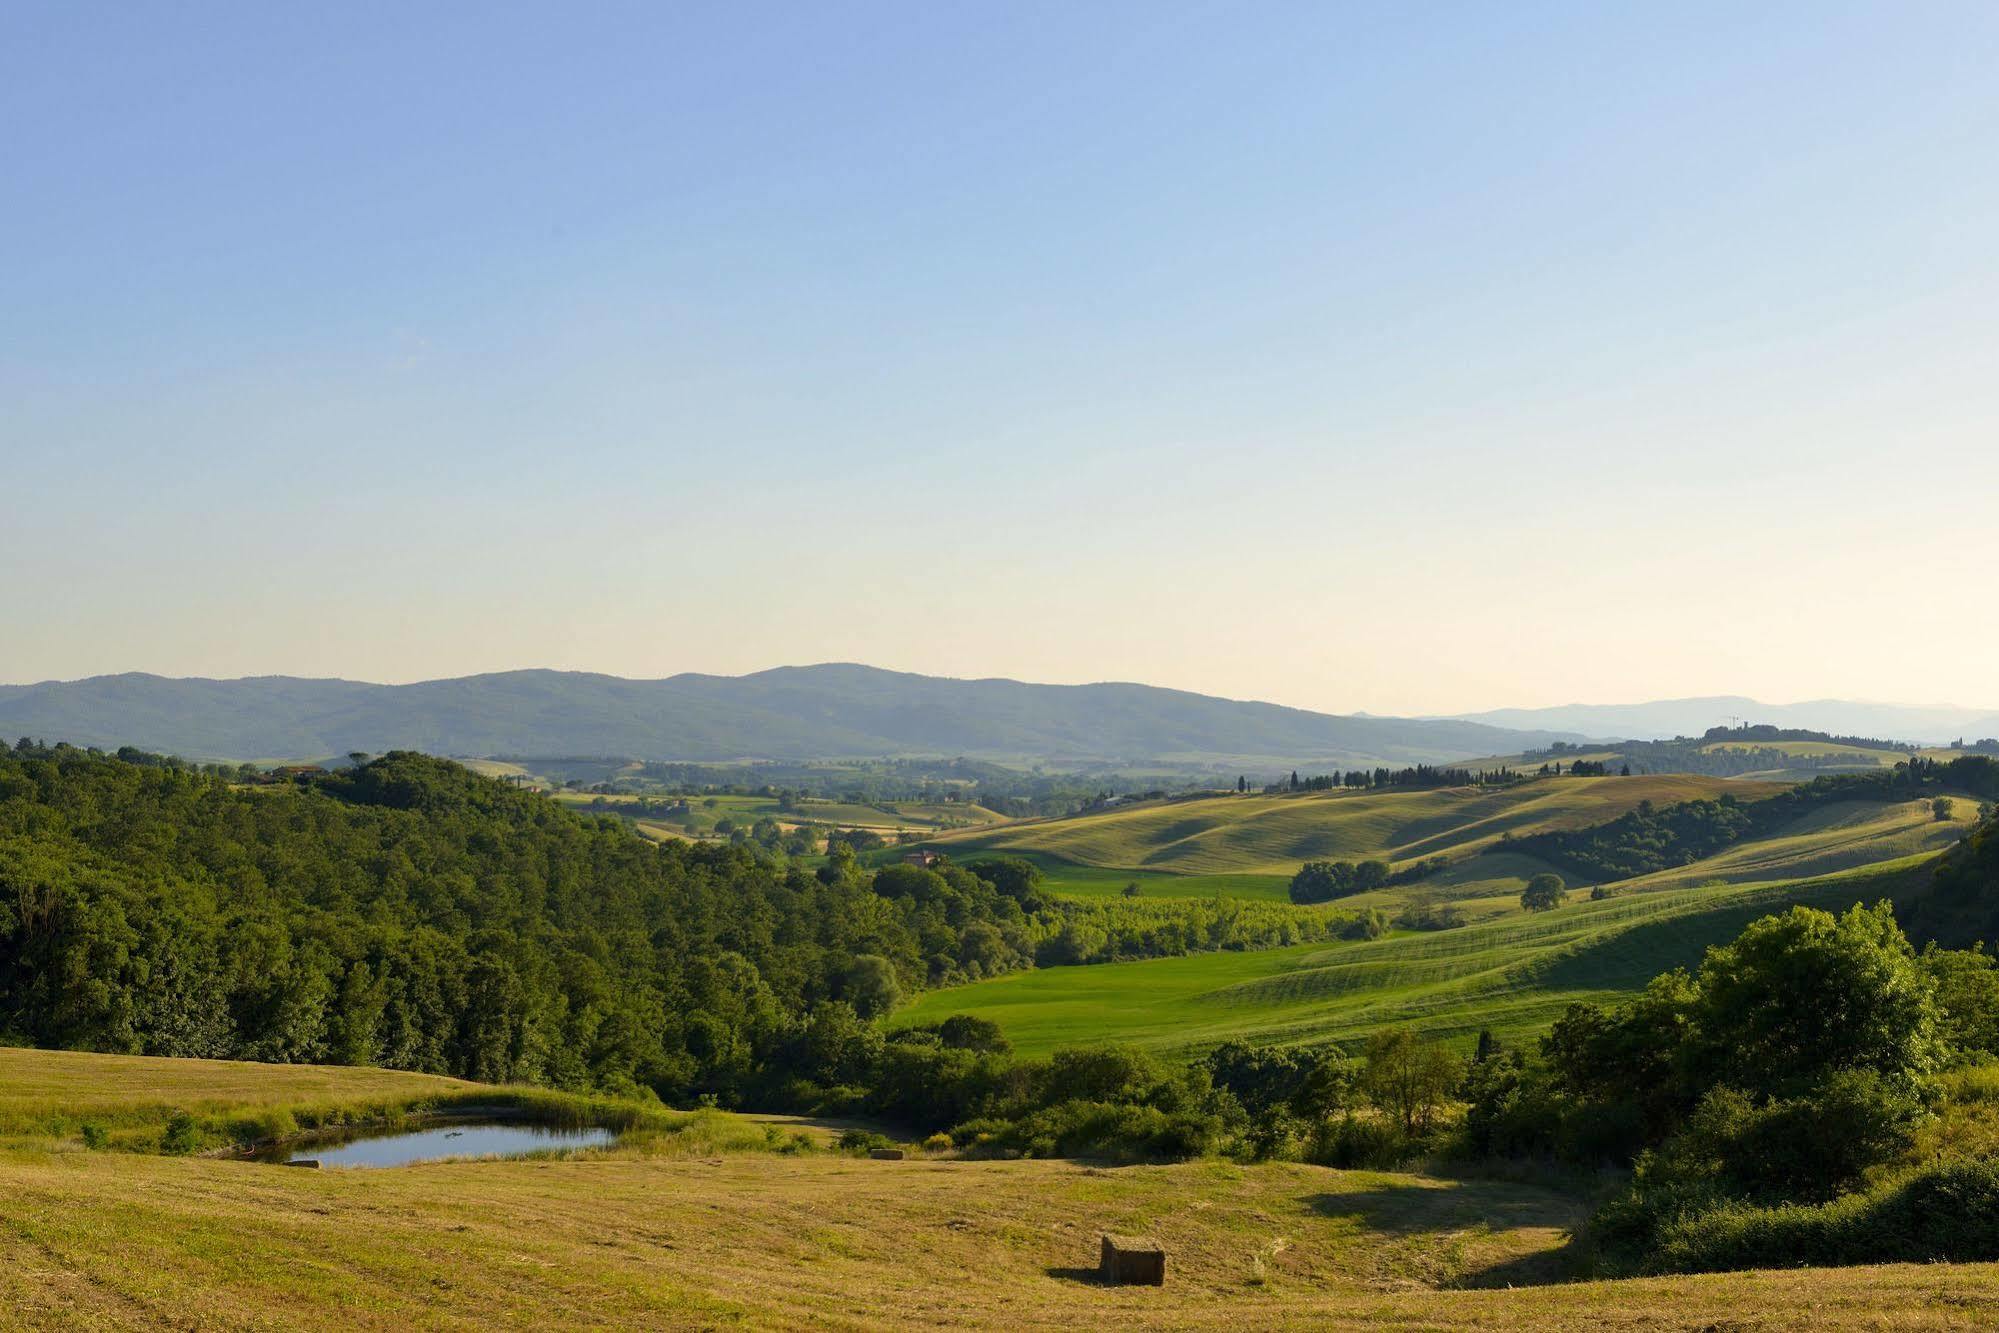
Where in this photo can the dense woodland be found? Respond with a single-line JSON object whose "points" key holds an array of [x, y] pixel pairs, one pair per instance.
{"points": [[411, 914]]}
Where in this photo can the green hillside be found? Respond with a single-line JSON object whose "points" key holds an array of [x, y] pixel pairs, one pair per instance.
{"points": [[1514, 975]]}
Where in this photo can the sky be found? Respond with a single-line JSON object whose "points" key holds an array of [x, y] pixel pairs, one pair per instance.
{"points": [[1409, 358]]}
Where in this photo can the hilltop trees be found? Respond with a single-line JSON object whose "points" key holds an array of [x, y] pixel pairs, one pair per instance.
{"points": [[1323, 881]]}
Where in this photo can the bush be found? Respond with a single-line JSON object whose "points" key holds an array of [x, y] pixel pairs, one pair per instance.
{"points": [[181, 1137], [1109, 1131], [1351, 1142], [1946, 1214], [95, 1136], [861, 1141], [1802, 1149], [256, 1127]]}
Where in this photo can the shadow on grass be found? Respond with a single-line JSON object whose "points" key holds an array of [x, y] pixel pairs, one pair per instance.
{"points": [[1543, 1269], [1414, 1210], [1089, 1277]]}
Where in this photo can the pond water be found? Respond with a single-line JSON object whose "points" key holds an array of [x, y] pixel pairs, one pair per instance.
{"points": [[438, 1143]]}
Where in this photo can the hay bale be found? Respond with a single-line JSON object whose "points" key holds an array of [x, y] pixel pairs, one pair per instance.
{"points": [[886, 1154], [1133, 1261]]}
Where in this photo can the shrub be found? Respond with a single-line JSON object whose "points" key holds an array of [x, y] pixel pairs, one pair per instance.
{"points": [[95, 1136], [862, 1141], [180, 1137], [254, 1127], [1351, 1142], [1109, 1131], [1946, 1214], [1806, 1148]]}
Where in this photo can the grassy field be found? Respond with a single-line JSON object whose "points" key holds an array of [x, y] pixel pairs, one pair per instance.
{"points": [[48, 1092], [1514, 975], [128, 1100], [632, 1237]]}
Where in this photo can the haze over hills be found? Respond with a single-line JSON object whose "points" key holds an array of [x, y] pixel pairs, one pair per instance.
{"points": [[1666, 718], [811, 712]]}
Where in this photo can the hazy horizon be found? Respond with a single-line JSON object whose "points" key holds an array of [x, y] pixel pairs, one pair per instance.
{"points": [[1940, 705], [1356, 358]]}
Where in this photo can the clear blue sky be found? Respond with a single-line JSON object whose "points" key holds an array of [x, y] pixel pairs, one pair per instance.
{"points": [[1406, 357]]}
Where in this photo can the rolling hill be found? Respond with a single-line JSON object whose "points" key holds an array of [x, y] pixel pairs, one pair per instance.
{"points": [[1274, 835], [824, 711], [1665, 718], [1513, 975]]}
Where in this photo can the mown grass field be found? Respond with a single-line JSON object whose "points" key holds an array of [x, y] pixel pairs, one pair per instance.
{"points": [[1514, 975], [631, 1237], [49, 1092]]}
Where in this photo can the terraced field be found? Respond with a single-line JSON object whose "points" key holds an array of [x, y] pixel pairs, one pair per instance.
{"points": [[1513, 975]]}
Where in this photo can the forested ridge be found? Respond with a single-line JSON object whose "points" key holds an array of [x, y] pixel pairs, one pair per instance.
{"points": [[409, 913]]}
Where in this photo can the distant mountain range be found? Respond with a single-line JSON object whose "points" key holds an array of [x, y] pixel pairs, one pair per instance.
{"points": [[1666, 718], [813, 712]]}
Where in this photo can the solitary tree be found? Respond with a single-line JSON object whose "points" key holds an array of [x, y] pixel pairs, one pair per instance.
{"points": [[1543, 892]]}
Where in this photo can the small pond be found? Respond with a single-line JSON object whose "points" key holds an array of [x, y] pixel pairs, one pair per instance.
{"points": [[437, 1142]]}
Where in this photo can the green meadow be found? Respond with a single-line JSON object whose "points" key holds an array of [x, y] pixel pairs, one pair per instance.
{"points": [[1513, 975]]}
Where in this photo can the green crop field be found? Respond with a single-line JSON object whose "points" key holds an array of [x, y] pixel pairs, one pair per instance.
{"points": [[1514, 975]]}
